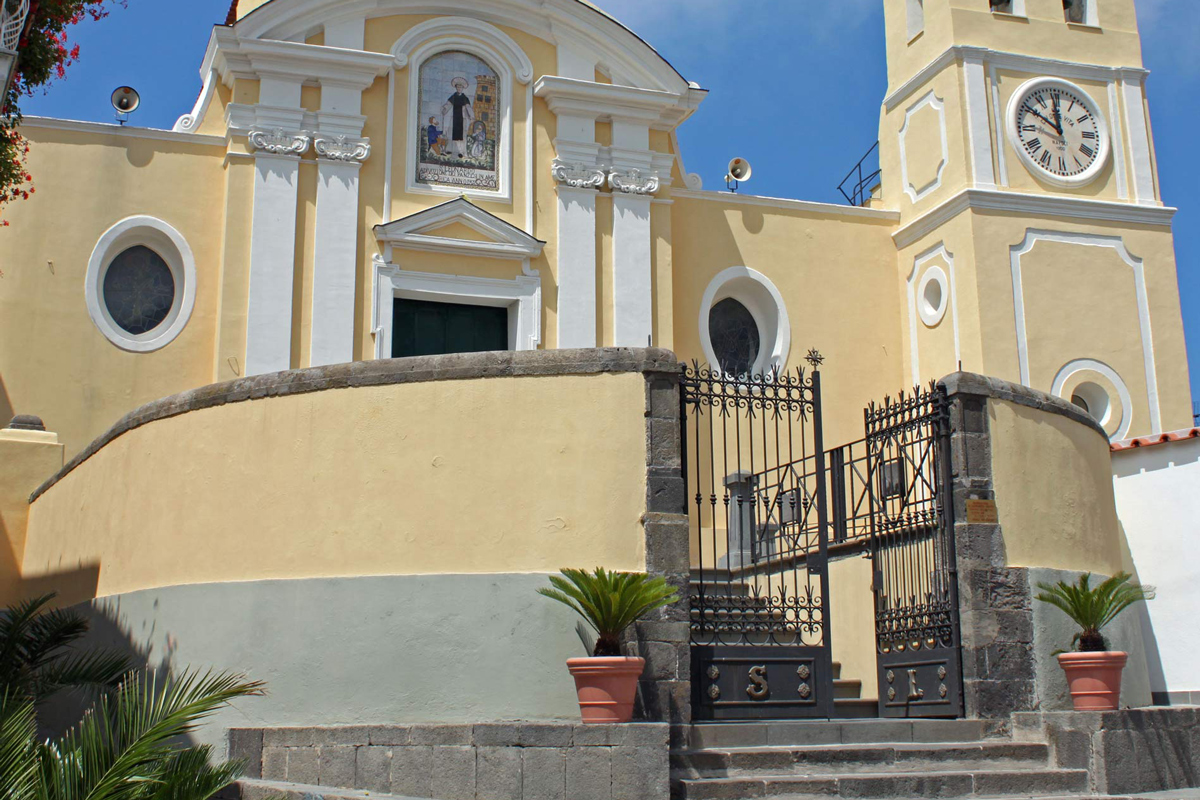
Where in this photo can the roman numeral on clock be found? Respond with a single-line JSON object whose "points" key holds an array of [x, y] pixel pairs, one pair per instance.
{"points": [[1029, 128], [1084, 118], [1045, 159], [1087, 151], [1033, 145], [1062, 164], [1088, 134]]}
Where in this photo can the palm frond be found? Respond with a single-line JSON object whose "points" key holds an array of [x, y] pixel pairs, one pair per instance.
{"points": [[15, 623], [101, 669], [190, 775], [125, 742], [18, 762]]}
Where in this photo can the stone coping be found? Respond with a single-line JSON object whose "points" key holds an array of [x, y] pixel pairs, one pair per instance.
{"points": [[986, 386], [382, 372]]}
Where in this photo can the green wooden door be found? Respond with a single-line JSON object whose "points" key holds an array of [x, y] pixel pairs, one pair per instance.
{"points": [[422, 328]]}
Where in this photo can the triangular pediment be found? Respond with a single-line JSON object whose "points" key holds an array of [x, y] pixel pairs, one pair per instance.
{"points": [[462, 228]]}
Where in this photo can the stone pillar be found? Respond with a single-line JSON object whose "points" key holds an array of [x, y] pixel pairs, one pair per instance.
{"points": [[664, 639], [578, 185], [273, 249], [335, 263], [995, 605]]}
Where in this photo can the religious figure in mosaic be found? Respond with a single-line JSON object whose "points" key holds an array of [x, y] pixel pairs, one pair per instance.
{"points": [[457, 146]]}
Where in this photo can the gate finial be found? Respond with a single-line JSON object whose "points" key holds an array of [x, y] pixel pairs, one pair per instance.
{"points": [[814, 357]]}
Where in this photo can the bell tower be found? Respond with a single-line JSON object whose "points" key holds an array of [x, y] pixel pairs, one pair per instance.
{"points": [[1033, 243]]}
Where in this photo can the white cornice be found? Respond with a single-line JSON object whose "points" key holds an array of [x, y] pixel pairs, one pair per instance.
{"points": [[556, 21], [1035, 65], [125, 131], [603, 101], [1033, 205], [418, 232], [236, 57], [876, 214]]}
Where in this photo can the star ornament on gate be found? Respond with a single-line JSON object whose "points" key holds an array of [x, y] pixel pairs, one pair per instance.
{"points": [[814, 357]]}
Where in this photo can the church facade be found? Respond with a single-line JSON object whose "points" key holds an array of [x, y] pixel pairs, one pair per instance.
{"points": [[332, 176], [386, 328]]}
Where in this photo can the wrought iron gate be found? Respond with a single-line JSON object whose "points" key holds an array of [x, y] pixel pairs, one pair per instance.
{"points": [[912, 545], [755, 470]]}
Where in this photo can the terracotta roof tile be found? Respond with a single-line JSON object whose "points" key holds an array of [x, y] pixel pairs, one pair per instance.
{"points": [[1151, 441]]}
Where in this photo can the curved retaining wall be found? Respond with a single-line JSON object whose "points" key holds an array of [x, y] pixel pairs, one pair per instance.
{"points": [[1033, 503], [368, 538]]}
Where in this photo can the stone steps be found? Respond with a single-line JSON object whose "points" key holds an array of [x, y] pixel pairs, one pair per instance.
{"points": [[718, 735], [832, 759], [251, 789], [1023, 783]]}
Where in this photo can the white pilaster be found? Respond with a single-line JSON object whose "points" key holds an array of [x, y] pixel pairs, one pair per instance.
{"points": [[978, 131], [577, 265], [335, 263], [633, 309], [272, 259], [1139, 138]]}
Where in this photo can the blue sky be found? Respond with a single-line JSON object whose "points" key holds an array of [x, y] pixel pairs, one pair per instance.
{"points": [[751, 55]]}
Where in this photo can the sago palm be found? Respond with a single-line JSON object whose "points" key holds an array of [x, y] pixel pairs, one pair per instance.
{"points": [[38, 655], [609, 601], [125, 748], [1093, 608]]}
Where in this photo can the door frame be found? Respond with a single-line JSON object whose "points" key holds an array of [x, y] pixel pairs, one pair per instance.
{"points": [[522, 296]]}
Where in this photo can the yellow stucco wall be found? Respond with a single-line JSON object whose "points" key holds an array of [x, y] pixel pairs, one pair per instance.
{"points": [[1054, 491], [54, 362], [26, 459], [476, 476], [834, 275]]}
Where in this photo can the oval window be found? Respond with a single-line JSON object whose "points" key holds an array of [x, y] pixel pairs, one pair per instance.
{"points": [[736, 340], [139, 290]]}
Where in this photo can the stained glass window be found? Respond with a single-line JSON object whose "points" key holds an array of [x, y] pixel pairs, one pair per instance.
{"points": [[734, 335], [139, 290]]}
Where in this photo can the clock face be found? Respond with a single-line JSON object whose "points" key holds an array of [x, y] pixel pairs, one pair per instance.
{"points": [[1058, 131]]}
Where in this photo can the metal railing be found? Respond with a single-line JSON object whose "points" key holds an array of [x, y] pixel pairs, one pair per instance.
{"points": [[12, 23], [857, 186]]}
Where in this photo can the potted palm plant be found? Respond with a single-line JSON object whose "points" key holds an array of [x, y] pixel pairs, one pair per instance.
{"points": [[609, 602], [1093, 671]]}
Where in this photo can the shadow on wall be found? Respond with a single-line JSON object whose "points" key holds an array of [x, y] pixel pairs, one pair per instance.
{"points": [[6, 407]]}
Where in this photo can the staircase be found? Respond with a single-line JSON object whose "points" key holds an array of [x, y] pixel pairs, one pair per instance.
{"points": [[865, 759]]}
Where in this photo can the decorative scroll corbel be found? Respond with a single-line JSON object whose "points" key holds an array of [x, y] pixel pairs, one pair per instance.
{"points": [[577, 175], [631, 181], [279, 142], [342, 148]]}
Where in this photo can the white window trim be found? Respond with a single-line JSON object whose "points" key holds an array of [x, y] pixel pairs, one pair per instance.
{"points": [[1124, 396], [170, 245], [934, 274], [522, 296], [488, 43], [773, 352], [951, 301]]}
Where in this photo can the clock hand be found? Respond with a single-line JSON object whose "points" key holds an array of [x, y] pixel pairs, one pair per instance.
{"points": [[1058, 116], [1043, 119]]}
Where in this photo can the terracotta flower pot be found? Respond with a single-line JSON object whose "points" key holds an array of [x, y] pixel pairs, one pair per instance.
{"points": [[1094, 679], [606, 687]]}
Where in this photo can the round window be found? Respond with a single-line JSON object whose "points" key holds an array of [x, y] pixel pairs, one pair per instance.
{"points": [[736, 340], [1093, 400], [931, 299], [139, 290]]}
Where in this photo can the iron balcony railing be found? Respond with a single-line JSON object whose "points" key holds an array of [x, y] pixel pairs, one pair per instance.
{"points": [[858, 185]]}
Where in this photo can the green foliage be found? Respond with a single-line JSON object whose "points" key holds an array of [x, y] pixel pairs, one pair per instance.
{"points": [[1094, 608], [127, 746], [37, 657], [609, 601]]}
